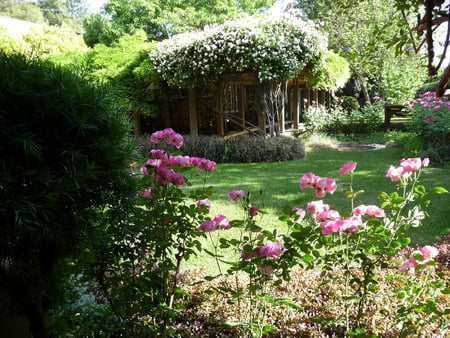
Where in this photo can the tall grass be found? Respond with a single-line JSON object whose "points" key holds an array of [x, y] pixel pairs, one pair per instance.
{"points": [[274, 185]]}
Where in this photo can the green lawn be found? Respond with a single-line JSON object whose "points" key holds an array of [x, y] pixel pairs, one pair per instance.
{"points": [[274, 185]]}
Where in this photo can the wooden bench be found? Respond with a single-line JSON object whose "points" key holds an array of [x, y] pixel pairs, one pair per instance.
{"points": [[391, 110]]}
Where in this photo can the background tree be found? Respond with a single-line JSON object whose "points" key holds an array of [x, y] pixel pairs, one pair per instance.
{"points": [[23, 11], [161, 19], [64, 158], [359, 31]]}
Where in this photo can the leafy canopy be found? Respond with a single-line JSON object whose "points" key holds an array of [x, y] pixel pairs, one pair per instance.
{"points": [[274, 47]]}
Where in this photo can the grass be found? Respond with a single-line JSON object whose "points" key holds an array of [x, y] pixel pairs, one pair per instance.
{"points": [[274, 185]]}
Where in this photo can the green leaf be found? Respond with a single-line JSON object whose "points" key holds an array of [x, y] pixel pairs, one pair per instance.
{"points": [[438, 190], [268, 329]]}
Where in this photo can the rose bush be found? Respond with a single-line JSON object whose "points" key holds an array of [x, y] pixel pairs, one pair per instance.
{"points": [[430, 120]]}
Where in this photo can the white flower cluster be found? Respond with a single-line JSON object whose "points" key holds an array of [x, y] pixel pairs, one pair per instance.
{"points": [[276, 48]]}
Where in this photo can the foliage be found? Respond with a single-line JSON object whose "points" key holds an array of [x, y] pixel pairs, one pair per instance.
{"points": [[244, 149], [349, 103], [60, 45], [359, 31], [136, 258], [358, 244], [81, 310], [334, 73], [163, 19], [99, 30], [127, 69], [26, 11], [275, 48], [64, 151], [338, 121], [431, 122]]}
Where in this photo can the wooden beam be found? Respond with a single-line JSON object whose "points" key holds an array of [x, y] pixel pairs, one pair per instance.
{"points": [[294, 106], [193, 118]]}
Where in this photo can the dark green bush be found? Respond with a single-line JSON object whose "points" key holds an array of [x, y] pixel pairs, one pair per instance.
{"points": [[349, 104], [64, 156], [245, 149]]}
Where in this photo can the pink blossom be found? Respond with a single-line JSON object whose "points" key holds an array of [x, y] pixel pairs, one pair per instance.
{"points": [[271, 250], [204, 203], [427, 253], [351, 224], [309, 180], [168, 135], [157, 153], [436, 107], [425, 162], [300, 213], [236, 195], [207, 165], [371, 210], [347, 225], [327, 215], [430, 120], [395, 174], [327, 184], [253, 211], [207, 226], [411, 164], [331, 226], [375, 98], [315, 207], [147, 193], [348, 167], [221, 222]]}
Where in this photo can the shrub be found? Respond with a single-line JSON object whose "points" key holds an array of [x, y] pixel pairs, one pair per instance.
{"points": [[337, 121], [431, 123], [64, 156], [349, 104], [243, 149]]}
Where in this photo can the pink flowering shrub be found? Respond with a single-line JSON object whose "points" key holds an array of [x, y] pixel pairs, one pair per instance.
{"points": [[163, 231], [359, 241], [431, 122]]}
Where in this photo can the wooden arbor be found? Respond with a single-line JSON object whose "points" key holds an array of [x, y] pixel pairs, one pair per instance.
{"points": [[238, 104]]}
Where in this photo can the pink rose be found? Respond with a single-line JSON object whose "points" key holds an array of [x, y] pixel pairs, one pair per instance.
{"points": [[236, 195], [253, 210], [348, 167], [271, 250]]}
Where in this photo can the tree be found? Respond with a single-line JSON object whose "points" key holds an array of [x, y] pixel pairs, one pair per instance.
{"points": [[161, 19], [64, 158], [25, 11], [360, 31]]}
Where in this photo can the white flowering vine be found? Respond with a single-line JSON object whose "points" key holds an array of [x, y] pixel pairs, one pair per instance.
{"points": [[274, 47]]}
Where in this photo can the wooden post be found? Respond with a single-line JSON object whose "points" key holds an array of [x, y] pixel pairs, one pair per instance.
{"points": [[307, 97], [316, 98], [193, 119], [220, 120], [282, 121], [242, 104], [137, 123], [294, 105]]}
